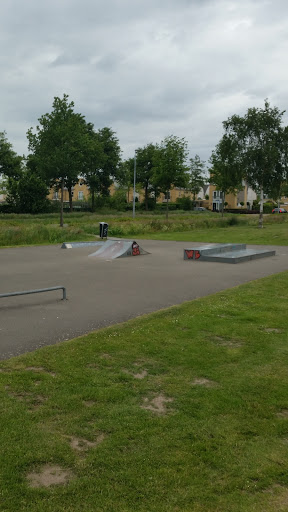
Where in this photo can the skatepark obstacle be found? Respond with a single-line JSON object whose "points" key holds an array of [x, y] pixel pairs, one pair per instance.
{"points": [[118, 249], [226, 253], [41, 290]]}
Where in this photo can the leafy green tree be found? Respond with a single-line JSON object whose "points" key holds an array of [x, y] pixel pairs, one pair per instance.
{"points": [[111, 168], [284, 189], [118, 201], [94, 160], [227, 170], [145, 158], [102, 161], [10, 162], [58, 146], [27, 193], [262, 149], [126, 176], [197, 178], [170, 169]]}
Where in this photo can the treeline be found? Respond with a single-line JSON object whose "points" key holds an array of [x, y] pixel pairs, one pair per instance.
{"points": [[64, 147]]}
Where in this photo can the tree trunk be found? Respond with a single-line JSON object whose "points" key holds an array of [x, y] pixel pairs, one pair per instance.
{"points": [[70, 199], [146, 198], [93, 200], [260, 225], [223, 200], [167, 205], [61, 204]]}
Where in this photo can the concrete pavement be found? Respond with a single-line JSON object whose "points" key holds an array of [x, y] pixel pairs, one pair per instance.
{"points": [[101, 292]]}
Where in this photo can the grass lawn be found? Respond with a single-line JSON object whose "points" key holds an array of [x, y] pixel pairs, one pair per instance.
{"points": [[207, 227], [182, 410], [271, 234]]}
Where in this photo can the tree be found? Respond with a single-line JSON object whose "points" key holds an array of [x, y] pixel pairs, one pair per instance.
{"points": [[126, 176], [170, 168], [102, 163], [197, 179], [145, 158], [111, 168], [58, 146], [262, 152], [94, 160], [227, 170], [10, 162], [27, 193]]}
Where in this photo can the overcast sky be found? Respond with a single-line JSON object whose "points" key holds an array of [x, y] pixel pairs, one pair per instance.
{"points": [[146, 68]]}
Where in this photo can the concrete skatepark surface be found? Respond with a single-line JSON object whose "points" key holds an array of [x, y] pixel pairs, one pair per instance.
{"points": [[104, 292]]}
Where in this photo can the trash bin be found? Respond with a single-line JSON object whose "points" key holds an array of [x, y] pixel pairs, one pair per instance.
{"points": [[103, 229]]}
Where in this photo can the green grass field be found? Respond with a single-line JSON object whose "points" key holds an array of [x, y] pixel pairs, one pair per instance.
{"points": [[182, 410], [207, 227]]}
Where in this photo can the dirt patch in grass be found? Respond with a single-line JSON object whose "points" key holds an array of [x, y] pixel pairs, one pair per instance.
{"points": [[157, 404], [225, 342], [31, 400], [49, 475], [279, 497], [39, 369], [89, 403], [93, 366], [273, 330], [36, 402], [22, 397], [140, 375], [204, 382], [105, 356], [282, 414], [82, 445]]}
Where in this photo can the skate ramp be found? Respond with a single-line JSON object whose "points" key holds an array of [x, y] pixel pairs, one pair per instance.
{"points": [[76, 245], [112, 249], [226, 253]]}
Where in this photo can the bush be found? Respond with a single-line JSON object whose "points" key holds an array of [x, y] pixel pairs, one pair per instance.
{"points": [[118, 200], [232, 221], [184, 203], [151, 204], [268, 207]]}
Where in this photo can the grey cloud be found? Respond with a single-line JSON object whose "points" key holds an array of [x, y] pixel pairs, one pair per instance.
{"points": [[147, 69], [69, 60], [110, 62]]}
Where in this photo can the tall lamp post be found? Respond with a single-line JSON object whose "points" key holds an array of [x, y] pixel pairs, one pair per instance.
{"points": [[134, 186]]}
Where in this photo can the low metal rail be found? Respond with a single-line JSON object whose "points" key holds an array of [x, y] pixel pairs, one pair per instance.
{"points": [[27, 292]]}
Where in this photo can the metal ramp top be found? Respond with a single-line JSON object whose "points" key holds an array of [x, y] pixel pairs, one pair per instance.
{"points": [[226, 253], [76, 245]]}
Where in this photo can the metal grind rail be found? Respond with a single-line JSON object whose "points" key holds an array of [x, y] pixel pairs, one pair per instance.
{"points": [[28, 292]]}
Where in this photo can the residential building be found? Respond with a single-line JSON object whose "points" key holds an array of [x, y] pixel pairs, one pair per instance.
{"points": [[242, 199]]}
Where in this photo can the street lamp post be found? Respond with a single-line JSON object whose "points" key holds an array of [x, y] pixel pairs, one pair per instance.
{"points": [[134, 186]]}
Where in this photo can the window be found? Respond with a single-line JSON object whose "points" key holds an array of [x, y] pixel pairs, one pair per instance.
{"points": [[80, 195], [217, 194], [55, 194]]}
